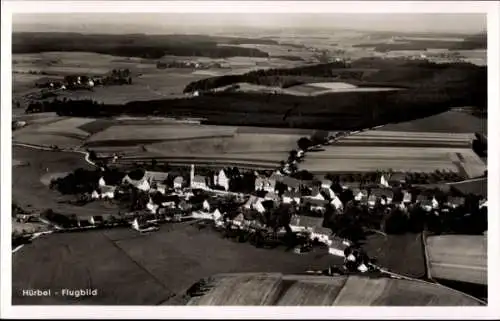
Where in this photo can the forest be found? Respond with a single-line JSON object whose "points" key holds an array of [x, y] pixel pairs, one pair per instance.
{"points": [[135, 45]]}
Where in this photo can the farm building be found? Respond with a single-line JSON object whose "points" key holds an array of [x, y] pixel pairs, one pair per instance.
{"points": [[383, 181]]}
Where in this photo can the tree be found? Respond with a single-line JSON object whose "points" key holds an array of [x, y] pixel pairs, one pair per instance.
{"points": [[304, 143], [319, 137]]}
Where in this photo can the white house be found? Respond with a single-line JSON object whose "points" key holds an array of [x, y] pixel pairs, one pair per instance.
{"points": [[102, 182], [217, 216], [95, 195], [361, 195], [206, 206], [223, 180], [435, 203], [91, 220], [483, 203], [141, 184], [383, 181]]}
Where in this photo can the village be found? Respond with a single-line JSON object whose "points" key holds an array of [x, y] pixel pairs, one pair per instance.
{"points": [[285, 206]]}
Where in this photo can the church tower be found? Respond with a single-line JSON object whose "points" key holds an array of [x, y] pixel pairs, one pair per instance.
{"points": [[191, 175]]}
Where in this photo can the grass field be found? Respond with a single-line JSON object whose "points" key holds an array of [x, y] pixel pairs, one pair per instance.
{"points": [[130, 268], [458, 258], [29, 191], [389, 251], [299, 290], [447, 122], [399, 151]]}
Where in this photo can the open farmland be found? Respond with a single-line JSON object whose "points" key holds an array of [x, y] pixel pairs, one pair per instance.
{"points": [[399, 159], [118, 262], [458, 258], [303, 290], [447, 122]]}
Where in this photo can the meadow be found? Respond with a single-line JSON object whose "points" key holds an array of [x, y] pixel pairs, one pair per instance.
{"points": [[304, 290], [458, 258]]}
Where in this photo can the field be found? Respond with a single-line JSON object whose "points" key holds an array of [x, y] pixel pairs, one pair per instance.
{"points": [[300, 290], [399, 151], [458, 258], [149, 82], [28, 182], [133, 269], [447, 122], [313, 89], [388, 251]]}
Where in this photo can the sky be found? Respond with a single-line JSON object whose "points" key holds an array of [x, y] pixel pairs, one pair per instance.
{"points": [[191, 22]]}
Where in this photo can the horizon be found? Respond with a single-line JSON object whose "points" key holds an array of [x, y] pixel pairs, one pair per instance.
{"points": [[189, 23]]}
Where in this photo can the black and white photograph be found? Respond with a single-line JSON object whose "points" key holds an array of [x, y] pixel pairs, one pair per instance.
{"points": [[218, 156]]}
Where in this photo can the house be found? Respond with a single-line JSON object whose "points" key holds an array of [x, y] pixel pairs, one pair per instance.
{"points": [[108, 192], [217, 216], [383, 194], [291, 197], [307, 221], [178, 182], [141, 184], [265, 184], [316, 204], [255, 203], [407, 197], [338, 246], [326, 183], [483, 203], [151, 206], [162, 188], [397, 179], [372, 200], [102, 182], [300, 153], [360, 195], [199, 182], [95, 195], [383, 181], [239, 219], [222, 179], [272, 196], [206, 205], [316, 194]]}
